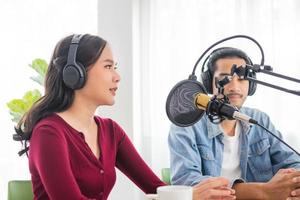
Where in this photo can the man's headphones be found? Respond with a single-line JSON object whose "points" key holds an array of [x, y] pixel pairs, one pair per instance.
{"points": [[74, 73], [223, 52]]}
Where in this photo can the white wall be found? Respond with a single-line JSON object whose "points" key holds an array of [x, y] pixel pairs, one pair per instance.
{"points": [[30, 29], [115, 24]]}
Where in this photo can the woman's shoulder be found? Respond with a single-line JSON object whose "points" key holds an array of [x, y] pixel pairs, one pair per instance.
{"points": [[106, 122], [110, 126], [50, 130], [52, 120], [52, 123]]}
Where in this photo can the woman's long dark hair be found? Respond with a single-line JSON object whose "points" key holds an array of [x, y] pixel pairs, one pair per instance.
{"points": [[58, 97]]}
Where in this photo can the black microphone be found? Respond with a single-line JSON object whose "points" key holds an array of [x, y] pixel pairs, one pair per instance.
{"points": [[188, 101], [217, 107]]}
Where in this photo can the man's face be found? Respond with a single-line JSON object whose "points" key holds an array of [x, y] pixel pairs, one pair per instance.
{"points": [[236, 90]]}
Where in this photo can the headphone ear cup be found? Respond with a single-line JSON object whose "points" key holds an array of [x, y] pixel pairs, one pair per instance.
{"points": [[74, 76], [207, 81], [252, 85]]}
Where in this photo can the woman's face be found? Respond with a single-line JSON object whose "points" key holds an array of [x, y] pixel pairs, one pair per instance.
{"points": [[102, 80]]}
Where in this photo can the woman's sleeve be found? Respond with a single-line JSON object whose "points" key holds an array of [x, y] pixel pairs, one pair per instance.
{"points": [[133, 166], [49, 155]]}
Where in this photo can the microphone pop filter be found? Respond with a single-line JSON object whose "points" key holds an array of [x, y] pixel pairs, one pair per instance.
{"points": [[180, 105]]}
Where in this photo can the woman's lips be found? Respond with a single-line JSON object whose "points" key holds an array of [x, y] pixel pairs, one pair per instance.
{"points": [[113, 90]]}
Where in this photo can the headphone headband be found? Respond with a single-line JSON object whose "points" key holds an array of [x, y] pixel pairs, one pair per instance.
{"points": [[223, 52], [73, 49]]}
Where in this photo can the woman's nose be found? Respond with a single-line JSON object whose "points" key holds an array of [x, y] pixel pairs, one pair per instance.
{"points": [[117, 77]]}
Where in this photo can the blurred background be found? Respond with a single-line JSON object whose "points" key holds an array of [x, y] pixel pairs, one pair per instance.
{"points": [[156, 44]]}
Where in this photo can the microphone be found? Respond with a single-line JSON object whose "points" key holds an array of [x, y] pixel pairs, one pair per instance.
{"points": [[188, 101], [180, 105], [217, 107]]}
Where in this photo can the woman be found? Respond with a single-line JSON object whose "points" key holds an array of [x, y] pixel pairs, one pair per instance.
{"points": [[73, 153]]}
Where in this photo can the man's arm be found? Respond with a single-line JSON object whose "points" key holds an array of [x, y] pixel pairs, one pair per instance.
{"points": [[279, 187]]}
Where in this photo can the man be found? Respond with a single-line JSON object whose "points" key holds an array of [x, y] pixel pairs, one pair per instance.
{"points": [[258, 165]]}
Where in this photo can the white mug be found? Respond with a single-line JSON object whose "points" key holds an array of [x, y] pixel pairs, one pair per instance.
{"points": [[175, 192], [151, 197], [172, 192]]}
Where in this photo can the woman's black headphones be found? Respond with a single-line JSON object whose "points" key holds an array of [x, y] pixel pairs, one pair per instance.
{"points": [[223, 52], [74, 73]]}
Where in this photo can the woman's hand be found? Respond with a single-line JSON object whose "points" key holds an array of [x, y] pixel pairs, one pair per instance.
{"points": [[213, 188]]}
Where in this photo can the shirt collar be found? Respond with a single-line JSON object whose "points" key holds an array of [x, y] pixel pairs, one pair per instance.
{"points": [[214, 129]]}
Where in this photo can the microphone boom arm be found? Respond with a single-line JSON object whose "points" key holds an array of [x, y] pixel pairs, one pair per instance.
{"points": [[257, 68]]}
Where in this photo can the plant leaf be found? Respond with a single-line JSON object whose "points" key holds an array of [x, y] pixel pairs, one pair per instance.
{"points": [[18, 107], [40, 66], [31, 96], [38, 79]]}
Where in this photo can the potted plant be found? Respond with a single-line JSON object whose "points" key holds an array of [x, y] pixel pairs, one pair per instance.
{"points": [[18, 107]]}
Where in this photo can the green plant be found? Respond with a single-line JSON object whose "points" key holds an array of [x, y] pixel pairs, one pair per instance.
{"points": [[18, 107]]}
